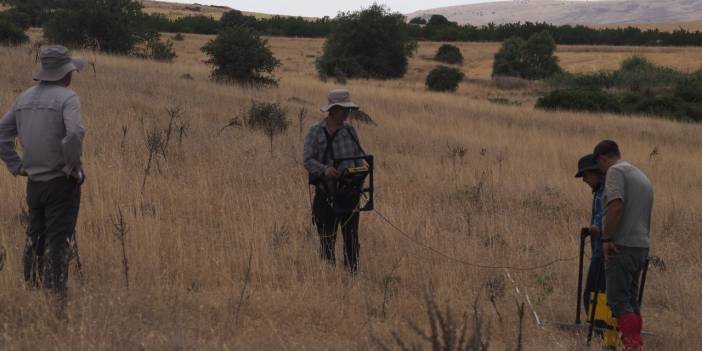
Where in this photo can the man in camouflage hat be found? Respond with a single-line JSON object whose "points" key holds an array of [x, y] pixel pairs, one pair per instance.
{"points": [[47, 121]]}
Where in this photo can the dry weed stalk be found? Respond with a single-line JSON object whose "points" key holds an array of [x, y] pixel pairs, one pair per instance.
{"points": [[75, 256], [123, 143], [301, 116], [94, 46], [234, 122], [389, 280], [120, 230], [520, 328], [3, 254], [496, 290], [247, 280], [174, 116], [447, 333], [157, 140], [154, 145]]}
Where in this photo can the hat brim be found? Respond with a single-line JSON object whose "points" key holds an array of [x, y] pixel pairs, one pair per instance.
{"points": [[53, 75], [342, 104], [581, 173]]}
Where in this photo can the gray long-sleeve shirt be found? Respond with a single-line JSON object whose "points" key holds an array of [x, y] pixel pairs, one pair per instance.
{"points": [[47, 120], [345, 144]]}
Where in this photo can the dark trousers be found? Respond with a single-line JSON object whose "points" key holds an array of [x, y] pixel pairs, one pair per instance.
{"points": [[53, 212], [623, 274], [329, 214]]}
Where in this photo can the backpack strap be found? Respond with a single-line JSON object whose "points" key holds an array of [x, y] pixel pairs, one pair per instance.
{"points": [[355, 139], [329, 149]]}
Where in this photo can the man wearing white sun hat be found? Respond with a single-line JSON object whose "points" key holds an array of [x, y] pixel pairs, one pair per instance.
{"points": [[47, 121], [330, 139]]}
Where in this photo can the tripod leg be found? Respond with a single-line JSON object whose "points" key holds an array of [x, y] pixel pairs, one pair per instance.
{"points": [[583, 234], [593, 305]]}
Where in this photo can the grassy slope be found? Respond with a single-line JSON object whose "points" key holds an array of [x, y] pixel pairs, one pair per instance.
{"points": [[175, 10], [510, 200]]}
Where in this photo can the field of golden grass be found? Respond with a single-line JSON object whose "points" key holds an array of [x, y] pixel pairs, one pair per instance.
{"points": [[221, 199]]}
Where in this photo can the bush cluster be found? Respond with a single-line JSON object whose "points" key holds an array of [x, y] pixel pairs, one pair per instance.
{"points": [[115, 25], [444, 78], [448, 53], [637, 87], [372, 43], [438, 28], [435, 28], [239, 55], [11, 34], [531, 59], [160, 50]]}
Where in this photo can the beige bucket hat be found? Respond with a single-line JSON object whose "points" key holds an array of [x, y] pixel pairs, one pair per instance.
{"points": [[339, 97], [56, 63]]}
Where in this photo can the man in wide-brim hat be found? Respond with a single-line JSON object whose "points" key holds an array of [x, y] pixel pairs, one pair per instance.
{"points": [[591, 175], [46, 118], [333, 138]]}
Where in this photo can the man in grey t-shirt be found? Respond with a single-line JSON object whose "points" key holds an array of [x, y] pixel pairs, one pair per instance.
{"points": [[628, 197], [47, 121]]}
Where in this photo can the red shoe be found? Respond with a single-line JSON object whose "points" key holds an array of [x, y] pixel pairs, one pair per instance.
{"points": [[630, 325]]}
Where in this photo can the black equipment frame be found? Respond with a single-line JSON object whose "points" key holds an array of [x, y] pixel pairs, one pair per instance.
{"points": [[369, 190]]}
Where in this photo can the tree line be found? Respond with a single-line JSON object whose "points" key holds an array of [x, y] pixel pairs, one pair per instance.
{"points": [[37, 13], [439, 28]]}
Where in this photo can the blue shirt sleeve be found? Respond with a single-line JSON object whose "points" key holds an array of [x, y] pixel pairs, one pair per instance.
{"points": [[598, 208]]}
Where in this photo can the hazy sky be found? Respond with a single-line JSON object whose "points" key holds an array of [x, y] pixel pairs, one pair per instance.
{"points": [[320, 8]]}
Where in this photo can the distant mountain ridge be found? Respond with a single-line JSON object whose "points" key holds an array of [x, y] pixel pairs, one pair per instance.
{"points": [[571, 12]]}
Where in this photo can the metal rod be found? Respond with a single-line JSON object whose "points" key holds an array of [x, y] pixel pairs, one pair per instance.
{"points": [[584, 232]]}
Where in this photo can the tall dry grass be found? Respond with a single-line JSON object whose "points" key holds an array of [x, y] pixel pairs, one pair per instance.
{"points": [[219, 246]]}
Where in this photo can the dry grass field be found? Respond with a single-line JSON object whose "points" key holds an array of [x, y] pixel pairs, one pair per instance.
{"points": [[664, 26], [222, 200]]}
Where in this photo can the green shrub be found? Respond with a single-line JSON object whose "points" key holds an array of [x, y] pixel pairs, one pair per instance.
{"points": [[269, 118], [504, 101], [448, 53], [115, 24], [649, 103], [690, 89], [532, 59], [10, 34], [438, 20], [179, 37], [160, 51], [539, 61], [595, 80], [444, 78], [418, 21], [372, 43], [239, 55], [16, 17], [637, 73], [579, 100], [508, 60], [235, 18]]}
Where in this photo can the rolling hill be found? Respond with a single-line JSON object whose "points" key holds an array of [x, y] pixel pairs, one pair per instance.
{"points": [[572, 12]]}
